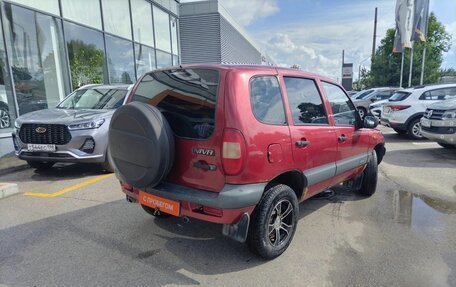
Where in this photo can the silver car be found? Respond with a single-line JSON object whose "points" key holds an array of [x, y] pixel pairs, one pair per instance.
{"points": [[75, 131], [439, 123]]}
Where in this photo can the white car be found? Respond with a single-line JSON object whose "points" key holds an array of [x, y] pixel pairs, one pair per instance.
{"points": [[377, 108], [406, 107]]}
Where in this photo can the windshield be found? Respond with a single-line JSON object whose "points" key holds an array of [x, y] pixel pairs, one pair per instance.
{"points": [[98, 99], [399, 96], [363, 94]]}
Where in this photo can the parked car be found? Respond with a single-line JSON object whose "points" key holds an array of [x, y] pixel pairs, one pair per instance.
{"points": [[406, 107], [361, 93], [376, 108], [74, 131], [362, 102], [439, 123], [240, 146]]}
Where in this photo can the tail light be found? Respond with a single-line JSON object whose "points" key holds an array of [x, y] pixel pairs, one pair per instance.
{"points": [[399, 107], [233, 151]]}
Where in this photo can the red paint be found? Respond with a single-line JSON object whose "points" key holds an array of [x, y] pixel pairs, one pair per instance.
{"points": [[266, 150]]}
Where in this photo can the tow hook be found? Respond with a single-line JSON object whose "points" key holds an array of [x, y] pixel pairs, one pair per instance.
{"points": [[238, 231]]}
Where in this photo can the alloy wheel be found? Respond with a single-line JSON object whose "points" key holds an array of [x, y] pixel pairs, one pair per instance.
{"points": [[280, 223], [5, 120], [416, 130]]}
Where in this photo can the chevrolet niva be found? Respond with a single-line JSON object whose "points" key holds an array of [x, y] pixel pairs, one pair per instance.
{"points": [[241, 146]]}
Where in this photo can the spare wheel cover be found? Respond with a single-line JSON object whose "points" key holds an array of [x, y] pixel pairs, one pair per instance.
{"points": [[141, 144]]}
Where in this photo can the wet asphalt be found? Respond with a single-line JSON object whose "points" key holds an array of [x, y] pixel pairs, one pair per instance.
{"points": [[404, 235]]}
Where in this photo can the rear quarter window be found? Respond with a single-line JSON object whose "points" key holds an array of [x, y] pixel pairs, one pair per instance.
{"points": [[399, 96], [186, 97], [266, 100]]}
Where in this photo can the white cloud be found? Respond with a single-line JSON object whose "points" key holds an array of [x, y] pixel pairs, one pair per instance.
{"points": [[316, 44], [247, 11]]}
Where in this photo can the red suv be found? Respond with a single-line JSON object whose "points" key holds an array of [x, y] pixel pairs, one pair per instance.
{"points": [[240, 146]]}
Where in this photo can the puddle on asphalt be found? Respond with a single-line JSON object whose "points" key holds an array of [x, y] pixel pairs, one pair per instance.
{"points": [[421, 211]]}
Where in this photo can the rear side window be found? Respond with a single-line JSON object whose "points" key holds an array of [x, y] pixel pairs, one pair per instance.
{"points": [[344, 111], [266, 99], [305, 101], [440, 94], [399, 96], [383, 95], [186, 97]]}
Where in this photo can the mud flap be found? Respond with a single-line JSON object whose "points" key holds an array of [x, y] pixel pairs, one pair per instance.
{"points": [[238, 231]]}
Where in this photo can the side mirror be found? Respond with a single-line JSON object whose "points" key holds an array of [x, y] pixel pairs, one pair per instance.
{"points": [[373, 100], [370, 122]]}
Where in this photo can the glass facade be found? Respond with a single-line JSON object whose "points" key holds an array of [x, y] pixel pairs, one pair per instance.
{"points": [[50, 48]]}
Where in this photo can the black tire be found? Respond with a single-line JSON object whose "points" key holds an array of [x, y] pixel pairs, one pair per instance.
{"points": [[401, 132], [157, 214], [370, 177], [107, 164], [41, 165], [261, 238], [414, 130], [448, 146], [362, 112], [141, 144]]}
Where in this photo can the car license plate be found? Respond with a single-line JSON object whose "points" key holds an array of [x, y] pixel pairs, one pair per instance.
{"points": [[163, 204], [41, 147], [426, 123]]}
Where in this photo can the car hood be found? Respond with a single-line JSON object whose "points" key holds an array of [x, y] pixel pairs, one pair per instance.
{"points": [[62, 116], [444, 105]]}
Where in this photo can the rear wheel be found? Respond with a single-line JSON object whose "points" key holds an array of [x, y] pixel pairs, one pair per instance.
{"points": [[414, 130], [41, 165], [369, 177], [5, 120], [448, 146], [273, 222], [401, 132]]}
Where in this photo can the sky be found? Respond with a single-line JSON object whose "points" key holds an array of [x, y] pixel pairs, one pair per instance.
{"points": [[313, 33]]}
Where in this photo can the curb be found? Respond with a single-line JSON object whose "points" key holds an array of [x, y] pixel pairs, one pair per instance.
{"points": [[8, 189], [12, 169]]}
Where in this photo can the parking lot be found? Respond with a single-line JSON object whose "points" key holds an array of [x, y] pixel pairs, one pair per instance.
{"points": [[73, 227]]}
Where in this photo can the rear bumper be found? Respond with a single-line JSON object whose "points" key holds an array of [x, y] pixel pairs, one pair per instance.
{"points": [[393, 125], [231, 202]]}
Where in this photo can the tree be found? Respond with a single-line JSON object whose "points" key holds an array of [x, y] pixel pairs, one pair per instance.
{"points": [[385, 70], [86, 63]]}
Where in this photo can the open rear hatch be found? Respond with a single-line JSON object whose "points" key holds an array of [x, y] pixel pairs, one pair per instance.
{"points": [[188, 100]]}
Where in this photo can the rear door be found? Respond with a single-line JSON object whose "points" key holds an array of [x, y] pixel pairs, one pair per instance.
{"points": [[313, 139], [192, 102], [352, 142]]}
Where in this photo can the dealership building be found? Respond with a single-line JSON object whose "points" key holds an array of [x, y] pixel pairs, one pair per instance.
{"points": [[50, 48]]}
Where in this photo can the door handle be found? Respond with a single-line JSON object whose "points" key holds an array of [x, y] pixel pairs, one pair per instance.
{"points": [[342, 138], [302, 143]]}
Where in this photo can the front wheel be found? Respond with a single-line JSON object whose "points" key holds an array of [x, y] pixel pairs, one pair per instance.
{"points": [[448, 146], [414, 130], [369, 176], [107, 164], [41, 165], [273, 222]]}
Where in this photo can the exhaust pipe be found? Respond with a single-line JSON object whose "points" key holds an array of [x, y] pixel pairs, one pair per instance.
{"points": [[130, 199]]}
